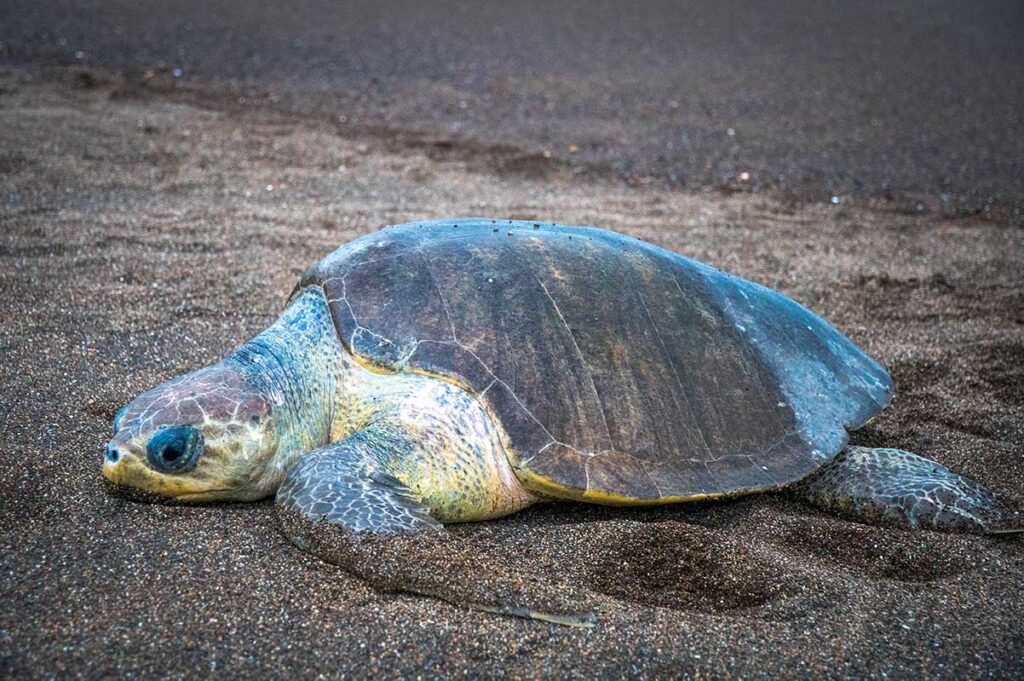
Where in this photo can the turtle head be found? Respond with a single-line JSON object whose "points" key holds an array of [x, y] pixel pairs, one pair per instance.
{"points": [[203, 436]]}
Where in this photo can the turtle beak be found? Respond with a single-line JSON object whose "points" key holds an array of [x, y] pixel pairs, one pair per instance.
{"points": [[110, 463], [129, 474], [124, 468], [116, 456], [117, 465]]}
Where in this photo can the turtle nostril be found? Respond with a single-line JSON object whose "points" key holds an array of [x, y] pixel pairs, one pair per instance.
{"points": [[113, 455]]}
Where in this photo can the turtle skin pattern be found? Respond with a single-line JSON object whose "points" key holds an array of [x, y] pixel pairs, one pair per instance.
{"points": [[343, 484], [897, 487]]}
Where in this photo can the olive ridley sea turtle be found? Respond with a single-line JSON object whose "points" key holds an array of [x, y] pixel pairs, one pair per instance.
{"points": [[460, 370]]}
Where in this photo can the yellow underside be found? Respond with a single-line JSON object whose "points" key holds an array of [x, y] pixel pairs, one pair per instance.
{"points": [[375, 368], [550, 488]]}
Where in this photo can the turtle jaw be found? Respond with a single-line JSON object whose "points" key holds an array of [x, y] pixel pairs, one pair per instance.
{"points": [[131, 477]]}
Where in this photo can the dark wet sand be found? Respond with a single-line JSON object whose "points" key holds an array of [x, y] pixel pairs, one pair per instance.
{"points": [[916, 101], [145, 232]]}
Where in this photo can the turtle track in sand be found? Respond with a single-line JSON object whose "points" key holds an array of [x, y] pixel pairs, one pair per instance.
{"points": [[699, 569]]}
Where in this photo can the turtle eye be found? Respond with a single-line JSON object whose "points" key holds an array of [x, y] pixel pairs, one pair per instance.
{"points": [[175, 449], [117, 418]]}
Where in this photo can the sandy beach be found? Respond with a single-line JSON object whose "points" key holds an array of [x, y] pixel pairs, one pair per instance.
{"points": [[915, 103], [158, 204], [144, 235]]}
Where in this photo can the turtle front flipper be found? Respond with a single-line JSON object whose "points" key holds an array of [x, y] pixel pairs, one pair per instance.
{"points": [[344, 485], [900, 488], [346, 504]]}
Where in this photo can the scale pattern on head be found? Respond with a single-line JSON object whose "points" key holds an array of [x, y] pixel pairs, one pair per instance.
{"points": [[201, 436], [231, 430]]}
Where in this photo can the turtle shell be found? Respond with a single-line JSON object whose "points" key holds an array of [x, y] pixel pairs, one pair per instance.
{"points": [[620, 372]]}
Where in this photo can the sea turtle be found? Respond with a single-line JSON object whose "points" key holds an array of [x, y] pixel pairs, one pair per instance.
{"points": [[460, 370]]}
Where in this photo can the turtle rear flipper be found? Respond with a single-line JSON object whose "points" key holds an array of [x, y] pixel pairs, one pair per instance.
{"points": [[342, 504], [901, 488]]}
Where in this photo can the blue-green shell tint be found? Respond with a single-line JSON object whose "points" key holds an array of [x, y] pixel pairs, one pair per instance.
{"points": [[175, 450], [117, 419]]}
